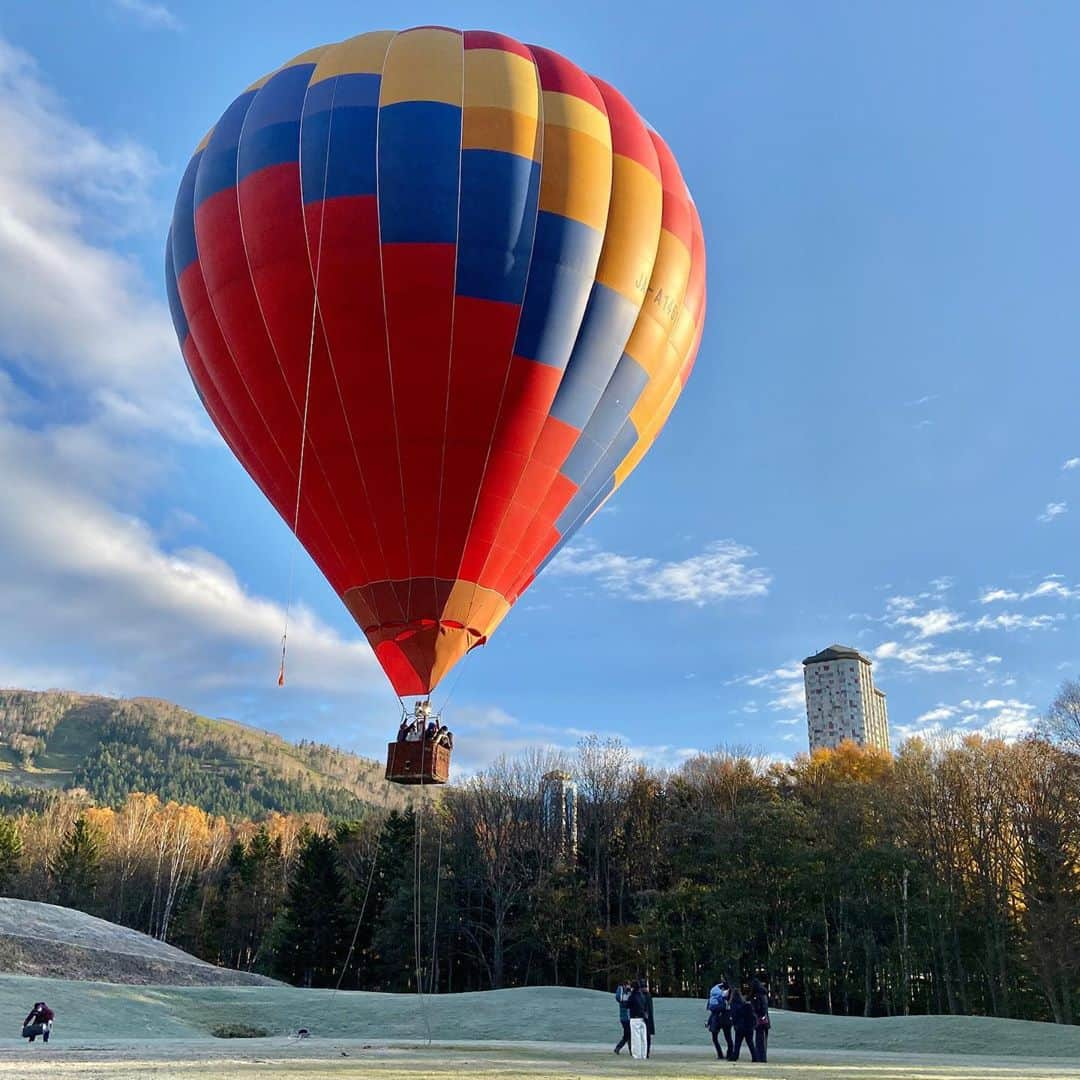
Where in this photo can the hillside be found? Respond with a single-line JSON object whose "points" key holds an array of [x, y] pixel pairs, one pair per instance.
{"points": [[58, 740], [46, 941]]}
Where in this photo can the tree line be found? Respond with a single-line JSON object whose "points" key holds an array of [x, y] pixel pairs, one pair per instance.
{"points": [[945, 879]]}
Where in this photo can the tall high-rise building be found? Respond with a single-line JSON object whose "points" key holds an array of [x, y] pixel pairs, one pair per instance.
{"points": [[558, 804], [842, 701]]}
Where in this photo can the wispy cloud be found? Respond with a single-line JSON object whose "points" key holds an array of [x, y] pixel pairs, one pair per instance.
{"points": [[991, 596], [935, 716], [1053, 510], [721, 572], [924, 400], [933, 623], [1050, 587], [154, 16], [920, 656], [785, 684], [78, 572], [1011, 621], [93, 399], [73, 312], [1072, 463], [1007, 719]]}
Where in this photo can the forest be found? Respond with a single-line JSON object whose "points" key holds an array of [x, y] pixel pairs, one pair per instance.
{"points": [[944, 879]]}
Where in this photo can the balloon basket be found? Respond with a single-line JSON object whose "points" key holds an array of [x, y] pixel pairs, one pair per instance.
{"points": [[417, 762]]}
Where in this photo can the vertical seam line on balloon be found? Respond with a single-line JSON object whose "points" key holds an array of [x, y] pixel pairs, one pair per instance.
{"points": [[538, 140], [531, 555], [450, 351], [266, 325], [386, 324], [337, 383], [331, 546], [584, 314], [590, 507]]}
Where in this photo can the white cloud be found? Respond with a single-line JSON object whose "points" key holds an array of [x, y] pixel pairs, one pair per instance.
{"points": [[718, 573], [1072, 463], [77, 571], [152, 15], [91, 597], [792, 696], [897, 604], [936, 715], [1010, 621], [993, 595], [74, 313], [993, 718], [923, 657], [1050, 586], [1053, 510], [933, 623]]}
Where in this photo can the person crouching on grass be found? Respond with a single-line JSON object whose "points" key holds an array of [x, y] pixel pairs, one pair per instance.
{"points": [[38, 1022]]}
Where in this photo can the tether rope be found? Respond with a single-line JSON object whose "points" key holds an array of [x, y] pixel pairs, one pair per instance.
{"points": [[363, 908], [418, 852], [307, 393]]}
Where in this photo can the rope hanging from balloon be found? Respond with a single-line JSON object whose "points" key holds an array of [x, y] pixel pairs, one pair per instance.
{"points": [[307, 395], [418, 854], [363, 909]]}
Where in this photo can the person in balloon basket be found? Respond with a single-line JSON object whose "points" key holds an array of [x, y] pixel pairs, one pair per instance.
{"points": [[622, 996], [744, 1023], [718, 1018], [38, 1021], [759, 1001]]}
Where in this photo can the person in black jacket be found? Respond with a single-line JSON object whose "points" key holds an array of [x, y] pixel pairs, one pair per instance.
{"points": [[650, 1023], [742, 1020], [759, 1000], [640, 1008]]}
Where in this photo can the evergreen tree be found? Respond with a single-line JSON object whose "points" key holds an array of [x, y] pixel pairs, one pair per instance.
{"points": [[10, 851], [311, 932], [74, 870]]}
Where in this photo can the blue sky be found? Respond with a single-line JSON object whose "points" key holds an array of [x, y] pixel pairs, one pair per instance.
{"points": [[878, 446]]}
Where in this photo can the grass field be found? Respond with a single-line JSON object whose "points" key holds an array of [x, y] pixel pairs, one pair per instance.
{"points": [[126, 1032]]}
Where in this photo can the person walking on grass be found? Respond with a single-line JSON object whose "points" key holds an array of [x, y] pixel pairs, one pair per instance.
{"points": [[622, 996], [719, 1019], [640, 1008], [743, 1021], [759, 1001], [650, 1023]]}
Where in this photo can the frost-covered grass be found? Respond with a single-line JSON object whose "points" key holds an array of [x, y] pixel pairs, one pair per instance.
{"points": [[92, 1013]]}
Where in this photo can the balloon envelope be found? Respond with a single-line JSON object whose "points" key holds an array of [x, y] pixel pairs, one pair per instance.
{"points": [[480, 278]]}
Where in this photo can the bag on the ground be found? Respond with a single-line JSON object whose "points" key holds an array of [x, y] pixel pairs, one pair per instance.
{"points": [[639, 1039]]}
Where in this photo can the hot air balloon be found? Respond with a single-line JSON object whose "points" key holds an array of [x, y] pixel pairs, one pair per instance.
{"points": [[439, 292]]}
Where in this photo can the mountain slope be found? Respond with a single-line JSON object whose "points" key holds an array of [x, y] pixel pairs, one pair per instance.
{"points": [[57, 740]]}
